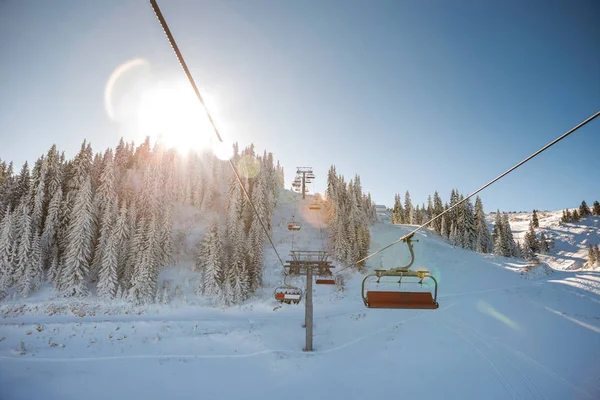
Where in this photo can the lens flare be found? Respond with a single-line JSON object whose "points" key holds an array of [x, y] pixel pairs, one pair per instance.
{"points": [[485, 308], [122, 82]]}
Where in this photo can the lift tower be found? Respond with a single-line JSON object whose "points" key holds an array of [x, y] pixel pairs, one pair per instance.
{"points": [[309, 263], [307, 175]]}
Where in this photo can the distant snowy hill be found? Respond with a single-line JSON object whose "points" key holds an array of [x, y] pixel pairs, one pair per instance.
{"points": [[571, 239], [503, 330]]}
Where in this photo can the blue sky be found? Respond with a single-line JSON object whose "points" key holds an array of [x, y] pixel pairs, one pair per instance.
{"points": [[417, 95]]}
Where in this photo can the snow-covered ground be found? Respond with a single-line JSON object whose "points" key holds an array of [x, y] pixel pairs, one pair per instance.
{"points": [[503, 331], [571, 239]]}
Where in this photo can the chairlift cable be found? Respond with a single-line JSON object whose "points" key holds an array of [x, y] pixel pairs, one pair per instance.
{"points": [[188, 74]]}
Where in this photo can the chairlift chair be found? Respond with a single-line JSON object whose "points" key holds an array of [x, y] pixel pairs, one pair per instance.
{"points": [[314, 206], [288, 294], [401, 298], [294, 226]]}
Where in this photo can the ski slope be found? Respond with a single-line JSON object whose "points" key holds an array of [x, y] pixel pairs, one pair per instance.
{"points": [[503, 331]]}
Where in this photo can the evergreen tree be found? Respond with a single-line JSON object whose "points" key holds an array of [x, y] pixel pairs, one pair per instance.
{"points": [[37, 194], [121, 234], [510, 249], [444, 228], [467, 223], [398, 212], [79, 244], [584, 210], [591, 256], [409, 211], [210, 260], [575, 215], [108, 274], [49, 239], [453, 234], [35, 267], [496, 232], [6, 250], [534, 220], [530, 243], [596, 208], [484, 241], [544, 246], [438, 208], [145, 275], [23, 270]]}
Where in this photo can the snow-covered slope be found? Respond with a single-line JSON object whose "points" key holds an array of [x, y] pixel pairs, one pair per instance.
{"points": [[500, 333], [571, 239]]}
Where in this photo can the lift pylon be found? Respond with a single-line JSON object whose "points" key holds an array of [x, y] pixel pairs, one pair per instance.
{"points": [[308, 263]]}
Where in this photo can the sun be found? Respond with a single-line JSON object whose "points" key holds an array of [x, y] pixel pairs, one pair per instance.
{"points": [[171, 112]]}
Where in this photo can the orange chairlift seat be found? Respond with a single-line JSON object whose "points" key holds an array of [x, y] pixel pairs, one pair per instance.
{"points": [[325, 280], [401, 298], [314, 206]]}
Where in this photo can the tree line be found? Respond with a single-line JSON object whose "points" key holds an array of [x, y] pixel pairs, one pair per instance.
{"points": [[102, 222], [349, 213]]}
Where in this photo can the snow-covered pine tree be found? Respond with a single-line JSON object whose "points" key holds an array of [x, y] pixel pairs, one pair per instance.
{"points": [[530, 243], [6, 188], [35, 268], [510, 249], [210, 260], [353, 221], [122, 236], [438, 208], [484, 241], [134, 246], [108, 272], [6, 244], [23, 272], [544, 247], [469, 234], [397, 213], [105, 212], [591, 256], [453, 215], [78, 251], [453, 234], [21, 187], [584, 210], [49, 239], [596, 208], [575, 215], [496, 234], [144, 282], [409, 211], [534, 220], [37, 194], [444, 227]]}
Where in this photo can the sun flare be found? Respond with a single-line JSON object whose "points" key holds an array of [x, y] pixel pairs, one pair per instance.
{"points": [[171, 112]]}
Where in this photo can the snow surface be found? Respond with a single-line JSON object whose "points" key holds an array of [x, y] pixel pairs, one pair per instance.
{"points": [[571, 239], [505, 329]]}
